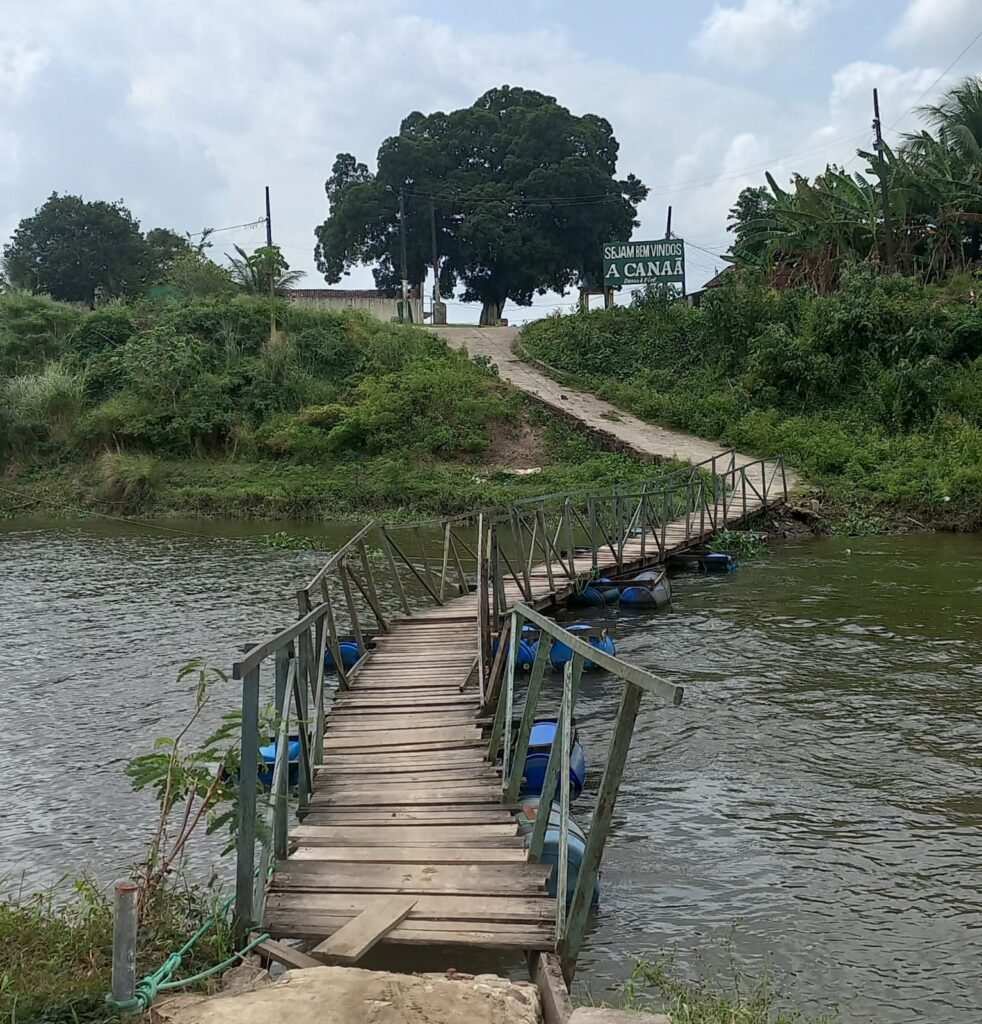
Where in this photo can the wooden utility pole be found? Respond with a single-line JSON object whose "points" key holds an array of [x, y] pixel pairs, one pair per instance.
{"points": [[402, 259], [272, 270], [887, 216]]}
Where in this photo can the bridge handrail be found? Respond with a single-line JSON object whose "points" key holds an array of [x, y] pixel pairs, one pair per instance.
{"points": [[533, 533], [571, 915]]}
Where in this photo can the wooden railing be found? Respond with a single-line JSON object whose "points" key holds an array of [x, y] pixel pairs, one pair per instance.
{"points": [[571, 915], [385, 569]]}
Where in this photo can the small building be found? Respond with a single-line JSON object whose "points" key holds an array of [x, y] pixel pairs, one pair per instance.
{"points": [[371, 300]]}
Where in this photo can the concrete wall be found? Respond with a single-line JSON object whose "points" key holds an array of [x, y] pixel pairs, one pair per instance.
{"points": [[377, 305]]}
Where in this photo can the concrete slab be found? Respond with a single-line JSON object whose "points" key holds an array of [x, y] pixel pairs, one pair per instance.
{"points": [[347, 995]]}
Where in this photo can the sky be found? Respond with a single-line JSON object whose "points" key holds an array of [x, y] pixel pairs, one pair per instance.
{"points": [[185, 110]]}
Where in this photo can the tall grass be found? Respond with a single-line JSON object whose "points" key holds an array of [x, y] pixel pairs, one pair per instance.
{"points": [[50, 401]]}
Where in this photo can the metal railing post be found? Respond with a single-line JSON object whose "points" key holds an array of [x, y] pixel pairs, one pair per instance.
{"points": [[245, 854], [551, 779], [620, 744], [124, 941]]}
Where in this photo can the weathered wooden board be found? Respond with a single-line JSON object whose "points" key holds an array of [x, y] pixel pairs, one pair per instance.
{"points": [[462, 879], [356, 937], [522, 909], [409, 855], [446, 815], [398, 797], [408, 835]]}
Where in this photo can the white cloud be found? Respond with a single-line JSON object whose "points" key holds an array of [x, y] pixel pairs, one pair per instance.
{"points": [[945, 22], [758, 31], [19, 66]]}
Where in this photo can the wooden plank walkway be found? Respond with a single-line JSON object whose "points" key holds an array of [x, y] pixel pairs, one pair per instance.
{"points": [[405, 802]]}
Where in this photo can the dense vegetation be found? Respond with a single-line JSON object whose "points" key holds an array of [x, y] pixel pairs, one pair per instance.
{"points": [[808, 233], [196, 407], [874, 392], [522, 194]]}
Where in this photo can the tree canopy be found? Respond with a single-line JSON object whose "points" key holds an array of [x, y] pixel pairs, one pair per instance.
{"points": [[523, 194], [70, 248], [808, 233]]}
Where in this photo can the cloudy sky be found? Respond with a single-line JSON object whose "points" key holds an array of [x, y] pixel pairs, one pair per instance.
{"points": [[186, 109]]}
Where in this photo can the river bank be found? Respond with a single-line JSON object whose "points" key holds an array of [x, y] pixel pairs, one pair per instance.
{"points": [[872, 393]]}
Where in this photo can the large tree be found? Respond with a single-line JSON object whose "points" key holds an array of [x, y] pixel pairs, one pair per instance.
{"points": [[70, 249], [523, 194]]}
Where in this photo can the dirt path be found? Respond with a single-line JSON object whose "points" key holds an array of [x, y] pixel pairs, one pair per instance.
{"points": [[637, 435]]}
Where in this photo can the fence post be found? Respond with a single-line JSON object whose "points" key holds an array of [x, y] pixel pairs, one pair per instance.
{"points": [[551, 778], [387, 548], [620, 744], [124, 942], [540, 518], [371, 595], [245, 854], [565, 737], [784, 478], [513, 781], [280, 829], [513, 641]]}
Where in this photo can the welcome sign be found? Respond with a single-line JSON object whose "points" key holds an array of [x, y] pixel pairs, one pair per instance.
{"points": [[632, 263]]}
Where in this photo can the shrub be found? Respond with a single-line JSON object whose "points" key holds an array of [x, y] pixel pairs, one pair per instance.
{"points": [[128, 483], [48, 402], [33, 330]]}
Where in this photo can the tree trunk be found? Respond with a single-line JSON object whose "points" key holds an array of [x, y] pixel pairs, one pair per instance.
{"points": [[491, 312]]}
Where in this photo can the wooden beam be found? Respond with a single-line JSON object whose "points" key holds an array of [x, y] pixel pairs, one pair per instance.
{"points": [[546, 973], [289, 956], [354, 939]]}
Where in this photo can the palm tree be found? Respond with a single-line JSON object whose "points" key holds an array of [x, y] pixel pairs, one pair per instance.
{"points": [[252, 273], [957, 119]]}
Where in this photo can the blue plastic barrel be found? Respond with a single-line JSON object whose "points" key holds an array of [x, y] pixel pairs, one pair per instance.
{"points": [[537, 759], [528, 647], [550, 851], [268, 754], [350, 655], [560, 653]]}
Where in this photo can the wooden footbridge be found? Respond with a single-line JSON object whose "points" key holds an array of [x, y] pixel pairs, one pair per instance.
{"points": [[410, 765]]}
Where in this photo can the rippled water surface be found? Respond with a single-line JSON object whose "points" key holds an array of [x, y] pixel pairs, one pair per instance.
{"points": [[820, 788]]}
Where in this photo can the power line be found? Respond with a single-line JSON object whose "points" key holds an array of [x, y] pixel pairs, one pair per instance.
{"points": [[231, 227], [913, 106]]}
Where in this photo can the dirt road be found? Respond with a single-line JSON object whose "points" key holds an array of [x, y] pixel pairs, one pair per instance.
{"points": [[636, 435]]}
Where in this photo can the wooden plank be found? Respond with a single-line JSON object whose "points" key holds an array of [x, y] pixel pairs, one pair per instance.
{"points": [[479, 934], [357, 743], [411, 855], [409, 776], [464, 879], [398, 797], [505, 834], [286, 955], [343, 816], [522, 909], [355, 938]]}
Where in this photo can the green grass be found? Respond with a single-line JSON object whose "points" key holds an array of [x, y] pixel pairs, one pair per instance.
{"points": [[56, 952], [874, 393], [659, 988]]}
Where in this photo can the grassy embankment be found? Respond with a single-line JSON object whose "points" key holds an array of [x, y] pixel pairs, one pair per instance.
{"points": [[873, 393], [191, 409]]}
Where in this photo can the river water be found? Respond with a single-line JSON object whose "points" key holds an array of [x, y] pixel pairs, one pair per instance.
{"points": [[815, 803]]}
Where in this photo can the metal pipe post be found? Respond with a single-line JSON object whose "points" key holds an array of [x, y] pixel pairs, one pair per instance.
{"points": [[124, 942]]}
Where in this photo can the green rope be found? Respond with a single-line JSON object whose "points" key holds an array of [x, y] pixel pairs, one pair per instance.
{"points": [[160, 980]]}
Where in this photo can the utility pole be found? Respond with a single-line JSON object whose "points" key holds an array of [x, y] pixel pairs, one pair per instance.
{"points": [[269, 221], [271, 269], [436, 261], [887, 216], [402, 261], [668, 224]]}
